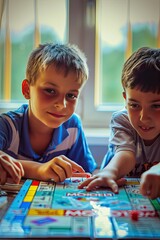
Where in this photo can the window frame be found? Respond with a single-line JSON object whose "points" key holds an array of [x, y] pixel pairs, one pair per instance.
{"points": [[92, 114]]}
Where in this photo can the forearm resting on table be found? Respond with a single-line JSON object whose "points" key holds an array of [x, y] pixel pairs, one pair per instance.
{"points": [[31, 169], [122, 163]]}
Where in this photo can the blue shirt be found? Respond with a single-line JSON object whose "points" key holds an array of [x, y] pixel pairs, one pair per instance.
{"points": [[68, 139]]}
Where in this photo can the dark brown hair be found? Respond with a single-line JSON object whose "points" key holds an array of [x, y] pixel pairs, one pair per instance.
{"points": [[142, 70]]}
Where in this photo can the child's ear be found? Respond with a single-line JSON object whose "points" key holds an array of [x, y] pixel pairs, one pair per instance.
{"points": [[124, 95], [25, 89]]}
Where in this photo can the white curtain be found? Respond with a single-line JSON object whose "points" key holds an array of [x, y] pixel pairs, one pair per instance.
{"points": [[1, 10]]}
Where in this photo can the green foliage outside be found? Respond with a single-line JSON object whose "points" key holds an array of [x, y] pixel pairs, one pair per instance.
{"points": [[21, 48], [112, 64]]}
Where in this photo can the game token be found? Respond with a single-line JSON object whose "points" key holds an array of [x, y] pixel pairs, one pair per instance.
{"points": [[134, 215], [88, 175]]}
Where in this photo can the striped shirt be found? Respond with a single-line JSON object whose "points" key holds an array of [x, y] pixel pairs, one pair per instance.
{"points": [[68, 139]]}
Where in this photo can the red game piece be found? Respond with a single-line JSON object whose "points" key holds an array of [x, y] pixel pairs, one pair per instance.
{"points": [[88, 175], [134, 215]]}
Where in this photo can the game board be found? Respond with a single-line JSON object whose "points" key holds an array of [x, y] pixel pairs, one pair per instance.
{"points": [[61, 211]]}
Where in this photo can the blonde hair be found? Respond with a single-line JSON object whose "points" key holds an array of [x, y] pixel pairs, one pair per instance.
{"points": [[65, 57]]}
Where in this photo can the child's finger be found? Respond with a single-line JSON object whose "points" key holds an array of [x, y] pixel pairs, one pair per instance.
{"points": [[62, 168], [3, 175], [145, 188], [113, 185], [19, 165], [86, 175], [93, 182], [152, 191], [121, 181], [85, 183], [11, 168], [58, 173], [75, 167]]}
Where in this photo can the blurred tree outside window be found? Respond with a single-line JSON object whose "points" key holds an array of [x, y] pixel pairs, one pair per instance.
{"points": [[25, 24], [123, 26]]}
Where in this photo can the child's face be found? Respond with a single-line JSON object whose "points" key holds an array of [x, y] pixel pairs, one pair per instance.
{"points": [[53, 98], [144, 113]]}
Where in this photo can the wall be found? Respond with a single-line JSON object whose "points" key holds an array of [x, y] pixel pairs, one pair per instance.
{"points": [[98, 141]]}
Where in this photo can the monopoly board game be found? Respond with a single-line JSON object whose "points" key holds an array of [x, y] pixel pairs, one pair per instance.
{"points": [[61, 211]]}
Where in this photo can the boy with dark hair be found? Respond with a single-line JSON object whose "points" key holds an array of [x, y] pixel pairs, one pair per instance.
{"points": [[134, 144]]}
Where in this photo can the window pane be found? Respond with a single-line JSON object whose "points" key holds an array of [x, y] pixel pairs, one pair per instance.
{"points": [[113, 27], [19, 20]]}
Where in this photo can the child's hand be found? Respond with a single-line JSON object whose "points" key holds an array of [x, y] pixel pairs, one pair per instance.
{"points": [[150, 182], [11, 169], [105, 178], [82, 175], [59, 168]]}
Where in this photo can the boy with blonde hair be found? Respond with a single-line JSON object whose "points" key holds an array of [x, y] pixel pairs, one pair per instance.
{"points": [[46, 135]]}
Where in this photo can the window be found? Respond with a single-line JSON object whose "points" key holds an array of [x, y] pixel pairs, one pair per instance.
{"points": [[24, 24], [106, 30], [121, 27]]}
